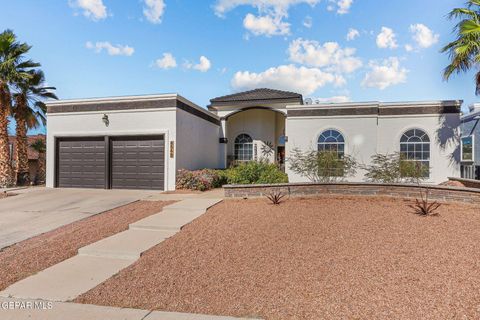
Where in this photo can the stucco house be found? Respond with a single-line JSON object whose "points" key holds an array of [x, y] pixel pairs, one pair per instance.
{"points": [[33, 155], [470, 143], [140, 142]]}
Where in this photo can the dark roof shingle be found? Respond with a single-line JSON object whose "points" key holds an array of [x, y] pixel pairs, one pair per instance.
{"points": [[258, 94]]}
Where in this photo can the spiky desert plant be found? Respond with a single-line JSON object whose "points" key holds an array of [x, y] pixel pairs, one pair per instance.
{"points": [[275, 196], [424, 207]]}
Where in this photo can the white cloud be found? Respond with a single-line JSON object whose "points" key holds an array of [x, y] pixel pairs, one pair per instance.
{"points": [[423, 36], [352, 34], [266, 25], [286, 77], [344, 6], [308, 22], [385, 74], [92, 9], [387, 39], [113, 50], [277, 7], [154, 10], [203, 66], [329, 55], [166, 62], [270, 18], [408, 47]]}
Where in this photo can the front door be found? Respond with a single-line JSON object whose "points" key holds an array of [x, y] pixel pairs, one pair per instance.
{"points": [[281, 157]]}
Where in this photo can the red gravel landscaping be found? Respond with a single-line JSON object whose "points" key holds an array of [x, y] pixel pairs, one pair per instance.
{"points": [[38, 253], [323, 258]]}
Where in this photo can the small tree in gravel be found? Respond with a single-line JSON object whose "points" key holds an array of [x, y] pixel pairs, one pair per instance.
{"points": [[322, 166], [424, 207], [394, 168]]}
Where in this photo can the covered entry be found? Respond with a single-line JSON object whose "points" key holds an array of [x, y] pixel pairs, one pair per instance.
{"points": [[135, 162]]}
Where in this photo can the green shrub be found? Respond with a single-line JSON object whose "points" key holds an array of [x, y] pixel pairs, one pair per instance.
{"points": [[244, 173], [254, 172], [322, 166], [394, 168]]}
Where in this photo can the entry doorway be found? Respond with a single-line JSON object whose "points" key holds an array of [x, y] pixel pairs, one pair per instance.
{"points": [[281, 157]]}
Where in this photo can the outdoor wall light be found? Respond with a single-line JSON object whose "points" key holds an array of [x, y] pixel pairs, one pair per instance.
{"points": [[105, 120]]}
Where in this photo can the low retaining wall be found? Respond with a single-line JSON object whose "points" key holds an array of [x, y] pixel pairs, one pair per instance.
{"points": [[469, 183], [439, 193]]}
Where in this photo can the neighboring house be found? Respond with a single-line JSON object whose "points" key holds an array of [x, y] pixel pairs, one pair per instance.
{"points": [[32, 154], [140, 142], [470, 143]]}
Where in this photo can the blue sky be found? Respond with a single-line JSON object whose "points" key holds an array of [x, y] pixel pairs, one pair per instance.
{"points": [[203, 49]]}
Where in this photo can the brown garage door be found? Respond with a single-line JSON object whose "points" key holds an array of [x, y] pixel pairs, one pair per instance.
{"points": [[81, 163], [137, 163]]}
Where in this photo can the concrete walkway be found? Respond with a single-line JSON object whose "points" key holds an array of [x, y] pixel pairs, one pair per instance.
{"points": [[99, 261], [11, 309]]}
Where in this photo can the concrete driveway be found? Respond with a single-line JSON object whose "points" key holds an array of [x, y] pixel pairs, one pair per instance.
{"points": [[37, 210]]}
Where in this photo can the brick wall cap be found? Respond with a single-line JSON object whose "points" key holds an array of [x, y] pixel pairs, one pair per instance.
{"points": [[353, 184]]}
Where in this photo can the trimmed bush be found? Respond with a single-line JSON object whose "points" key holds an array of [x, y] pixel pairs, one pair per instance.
{"points": [[244, 173], [201, 180], [255, 173]]}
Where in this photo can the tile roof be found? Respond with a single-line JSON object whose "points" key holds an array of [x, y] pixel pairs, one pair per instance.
{"points": [[258, 94], [32, 154]]}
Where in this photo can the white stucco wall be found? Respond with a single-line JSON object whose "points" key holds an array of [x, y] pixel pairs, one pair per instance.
{"points": [[443, 132], [360, 135], [258, 124], [197, 142], [367, 135], [128, 122]]}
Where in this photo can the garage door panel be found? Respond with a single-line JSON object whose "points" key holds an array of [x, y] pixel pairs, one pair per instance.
{"points": [[81, 163], [138, 163]]}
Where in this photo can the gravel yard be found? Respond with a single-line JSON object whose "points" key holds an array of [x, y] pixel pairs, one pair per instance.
{"points": [[323, 258], [38, 253]]}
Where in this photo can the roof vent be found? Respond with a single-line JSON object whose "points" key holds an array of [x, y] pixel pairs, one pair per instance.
{"points": [[308, 101]]}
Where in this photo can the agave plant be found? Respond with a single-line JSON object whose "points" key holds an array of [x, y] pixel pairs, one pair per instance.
{"points": [[424, 207]]}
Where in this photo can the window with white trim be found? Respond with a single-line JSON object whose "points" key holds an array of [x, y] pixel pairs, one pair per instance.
{"points": [[332, 141], [415, 147], [468, 147], [243, 147]]}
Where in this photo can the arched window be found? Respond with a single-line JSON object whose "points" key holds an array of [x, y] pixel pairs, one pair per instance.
{"points": [[243, 147], [415, 147], [332, 140]]}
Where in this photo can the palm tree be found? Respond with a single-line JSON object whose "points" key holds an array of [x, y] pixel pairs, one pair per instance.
{"points": [[464, 52], [39, 146], [13, 69], [29, 112]]}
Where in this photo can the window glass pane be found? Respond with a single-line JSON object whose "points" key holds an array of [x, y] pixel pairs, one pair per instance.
{"points": [[467, 148]]}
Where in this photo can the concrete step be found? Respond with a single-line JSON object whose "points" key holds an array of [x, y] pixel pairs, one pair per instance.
{"points": [[194, 204], [67, 280], [169, 219], [129, 244]]}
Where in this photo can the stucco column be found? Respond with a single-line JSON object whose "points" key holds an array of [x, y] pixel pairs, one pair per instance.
{"points": [[223, 145]]}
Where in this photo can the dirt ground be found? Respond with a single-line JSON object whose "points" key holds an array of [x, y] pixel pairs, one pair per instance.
{"points": [[38, 253], [323, 258]]}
